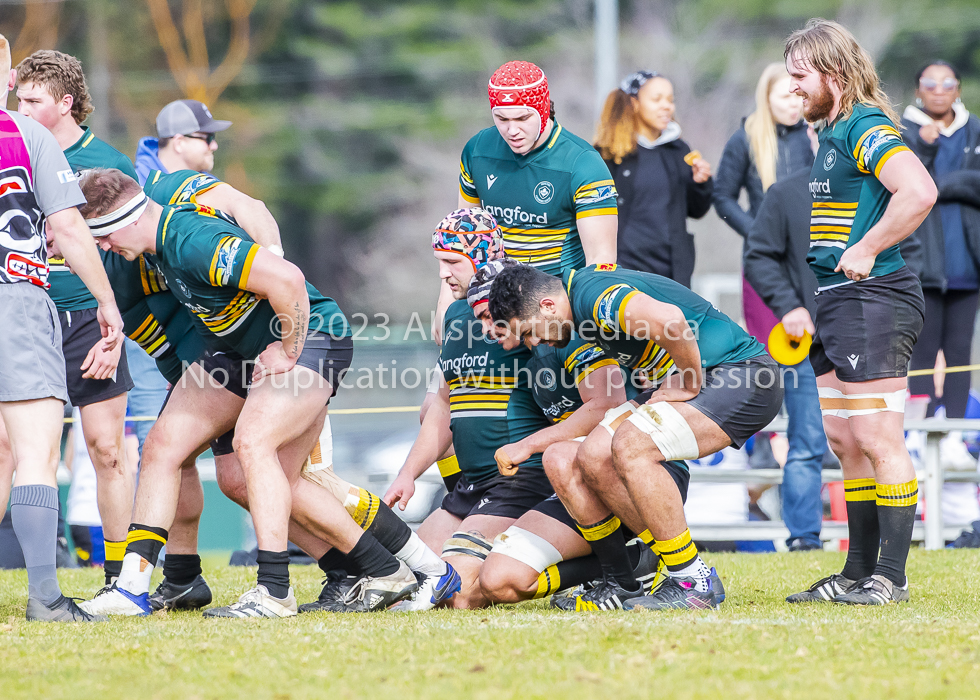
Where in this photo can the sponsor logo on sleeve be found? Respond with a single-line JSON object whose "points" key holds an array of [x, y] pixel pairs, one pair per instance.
{"points": [[66, 176]]}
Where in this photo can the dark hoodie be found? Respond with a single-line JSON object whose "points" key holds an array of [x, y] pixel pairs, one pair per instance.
{"points": [[657, 193]]}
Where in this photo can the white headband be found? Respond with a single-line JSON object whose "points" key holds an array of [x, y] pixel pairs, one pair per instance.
{"points": [[128, 213]]}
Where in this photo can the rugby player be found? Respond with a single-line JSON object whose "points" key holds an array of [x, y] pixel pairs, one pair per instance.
{"points": [[628, 462], [236, 290], [39, 188], [543, 551], [869, 193], [484, 402], [52, 91]]}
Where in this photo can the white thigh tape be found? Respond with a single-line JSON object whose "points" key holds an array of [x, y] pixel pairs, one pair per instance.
{"points": [[433, 386], [527, 548], [615, 416], [668, 430], [835, 403]]}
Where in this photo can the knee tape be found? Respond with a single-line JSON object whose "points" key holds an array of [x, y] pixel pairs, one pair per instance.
{"points": [[469, 544], [668, 430], [322, 455], [326, 478], [527, 548], [432, 387], [837, 404], [615, 416]]}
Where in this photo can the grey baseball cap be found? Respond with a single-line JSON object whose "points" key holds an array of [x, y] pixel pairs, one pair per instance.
{"points": [[186, 117]]}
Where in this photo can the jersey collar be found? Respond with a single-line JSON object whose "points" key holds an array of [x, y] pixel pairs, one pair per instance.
{"points": [[530, 157]]}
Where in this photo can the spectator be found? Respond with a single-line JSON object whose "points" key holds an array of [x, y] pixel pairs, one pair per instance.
{"points": [[660, 180], [771, 144], [946, 138], [185, 140], [775, 265]]}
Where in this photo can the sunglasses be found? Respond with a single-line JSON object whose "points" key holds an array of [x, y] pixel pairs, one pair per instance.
{"points": [[207, 138], [948, 84]]}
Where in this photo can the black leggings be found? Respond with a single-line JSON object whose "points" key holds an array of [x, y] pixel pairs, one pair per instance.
{"points": [[950, 317]]}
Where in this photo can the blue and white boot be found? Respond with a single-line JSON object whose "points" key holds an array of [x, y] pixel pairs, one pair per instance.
{"points": [[432, 591]]}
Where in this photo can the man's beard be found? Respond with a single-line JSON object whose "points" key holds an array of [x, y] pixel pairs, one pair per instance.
{"points": [[565, 337], [819, 105]]}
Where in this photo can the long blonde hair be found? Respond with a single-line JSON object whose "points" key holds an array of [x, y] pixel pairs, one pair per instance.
{"points": [[834, 52], [761, 126], [615, 137]]}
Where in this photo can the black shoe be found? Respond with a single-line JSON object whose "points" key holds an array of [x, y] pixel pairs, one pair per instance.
{"points": [[874, 590], [968, 539], [649, 569], [61, 610], [191, 596], [801, 545], [823, 591], [680, 594], [606, 595], [335, 587], [371, 594]]}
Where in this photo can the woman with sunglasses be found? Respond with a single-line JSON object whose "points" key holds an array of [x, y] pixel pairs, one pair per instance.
{"points": [[660, 180], [946, 138]]}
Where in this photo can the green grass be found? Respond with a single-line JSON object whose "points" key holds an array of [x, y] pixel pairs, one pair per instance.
{"points": [[756, 646]]}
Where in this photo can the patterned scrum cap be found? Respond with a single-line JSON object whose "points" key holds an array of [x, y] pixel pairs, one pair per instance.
{"points": [[471, 232], [479, 289], [521, 84], [632, 83]]}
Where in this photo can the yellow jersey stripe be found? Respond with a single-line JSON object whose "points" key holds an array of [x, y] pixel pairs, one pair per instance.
{"points": [[247, 267], [888, 154], [610, 211]]}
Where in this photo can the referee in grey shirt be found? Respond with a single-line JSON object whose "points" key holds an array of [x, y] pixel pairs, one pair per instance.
{"points": [[38, 189]]}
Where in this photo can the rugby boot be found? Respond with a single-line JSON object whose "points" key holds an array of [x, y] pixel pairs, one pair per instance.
{"points": [[680, 593], [432, 591], [565, 600], [607, 595], [649, 570], [112, 600], [370, 594], [823, 591], [335, 587], [874, 590], [62, 610], [257, 602], [170, 596]]}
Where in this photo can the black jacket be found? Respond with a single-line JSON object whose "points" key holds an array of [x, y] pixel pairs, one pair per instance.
{"points": [[962, 186], [636, 244], [774, 256], [737, 170]]}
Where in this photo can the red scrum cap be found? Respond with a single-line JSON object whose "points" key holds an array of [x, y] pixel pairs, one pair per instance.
{"points": [[521, 84]]}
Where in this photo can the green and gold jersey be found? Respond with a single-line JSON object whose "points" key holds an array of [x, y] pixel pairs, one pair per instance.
{"points": [[181, 187], [68, 292], [599, 295], [206, 262], [848, 198], [557, 373], [490, 399], [538, 198]]}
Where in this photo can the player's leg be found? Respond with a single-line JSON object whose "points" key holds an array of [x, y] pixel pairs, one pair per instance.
{"points": [[103, 424], [6, 468], [196, 412], [467, 551], [879, 434]]}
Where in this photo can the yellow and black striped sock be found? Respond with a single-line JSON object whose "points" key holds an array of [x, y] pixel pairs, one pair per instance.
{"points": [[388, 529], [114, 553], [568, 574], [862, 528], [609, 545], [896, 517], [450, 471], [146, 541], [678, 552]]}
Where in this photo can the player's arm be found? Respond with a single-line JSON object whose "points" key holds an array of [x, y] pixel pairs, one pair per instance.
{"points": [[433, 440], [78, 248], [601, 389], [251, 214], [913, 194], [598, 235], [284, 285], [645, 318]]}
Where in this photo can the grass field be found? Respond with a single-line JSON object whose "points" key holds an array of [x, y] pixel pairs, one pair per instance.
{"points": [[755, 646]]}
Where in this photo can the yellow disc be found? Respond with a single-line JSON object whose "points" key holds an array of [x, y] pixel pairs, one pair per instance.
{"points": [[786, 350]]}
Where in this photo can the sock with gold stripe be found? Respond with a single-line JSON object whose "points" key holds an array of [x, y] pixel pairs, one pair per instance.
{"points": [[114, 553], [450, 471], [896, 517], [682, 560], [143, 545], [573, 572], [862, 528], [609, 545]]}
